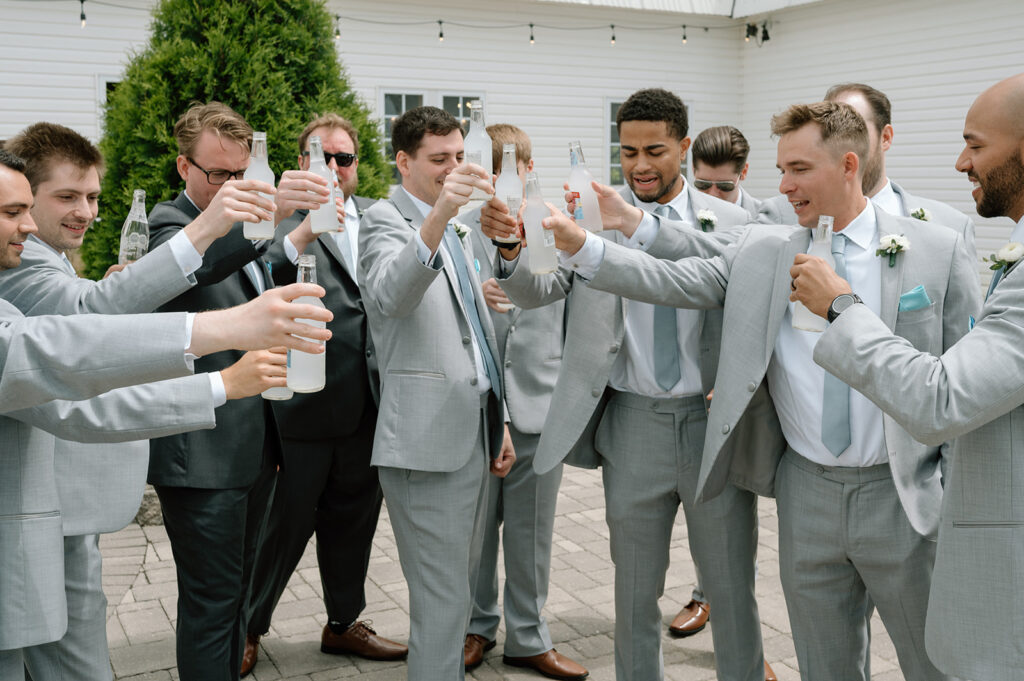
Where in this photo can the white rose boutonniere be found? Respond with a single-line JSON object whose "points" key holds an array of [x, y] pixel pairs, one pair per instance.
{"points": [[890, 245], [460, 229], [922, 214], [1007, 256], [707, 219]]}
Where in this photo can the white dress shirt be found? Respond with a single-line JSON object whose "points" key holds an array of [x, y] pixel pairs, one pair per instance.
{"points": [[797, 384], [633, 368], [1018, 232], [888, 200]]}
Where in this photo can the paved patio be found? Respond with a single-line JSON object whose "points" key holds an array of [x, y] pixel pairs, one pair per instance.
{"points": [[139, 580]]}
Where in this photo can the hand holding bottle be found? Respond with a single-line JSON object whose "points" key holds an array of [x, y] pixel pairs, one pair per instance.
{"points": [[616, 213], [255, 372], [495, 297], [496, 222], [569, 236], [237, 201], [300, 190]]}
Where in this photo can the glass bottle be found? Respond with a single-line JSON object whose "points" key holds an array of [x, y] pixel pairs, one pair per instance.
{"points": [[477, 146], [821, 246], [307, 373], [588, 212], [324, 218], [135, 233], [259, 169], [540, 241], [509, 188]]}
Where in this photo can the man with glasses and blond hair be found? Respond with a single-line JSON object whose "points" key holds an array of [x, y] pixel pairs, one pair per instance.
{"points": [[215, 507], [720, 164]]}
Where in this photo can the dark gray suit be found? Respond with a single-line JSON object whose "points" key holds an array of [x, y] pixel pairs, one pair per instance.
{"points": [[326, 483], [215, 506]]}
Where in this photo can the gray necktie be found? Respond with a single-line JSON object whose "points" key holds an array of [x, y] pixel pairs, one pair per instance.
{"points": [[835, 407], [252, 269], [451, 241], [666, 331], [345, 246]]}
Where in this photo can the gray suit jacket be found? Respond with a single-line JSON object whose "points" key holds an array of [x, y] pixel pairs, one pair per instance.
{"points": [[751, 280], [428, 375], [530, 343], [44, 358], [595, 329], [972, 395], [100, 485], [750, 204]]}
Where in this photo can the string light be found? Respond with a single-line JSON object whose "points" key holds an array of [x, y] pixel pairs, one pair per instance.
{"points": [[82, 15], [440, 31], [613, 33], [764, 32], [337, 27], [531, 34], [684, 34], [751, 32]]}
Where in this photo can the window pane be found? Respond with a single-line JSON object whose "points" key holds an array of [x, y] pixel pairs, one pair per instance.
{"points": [[614, 136], [393, 105], [613, 156], [615, 175], [413, 101]]}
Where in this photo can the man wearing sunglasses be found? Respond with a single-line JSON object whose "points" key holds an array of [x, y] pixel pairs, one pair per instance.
{"points": [[720, 164], [326, 484]]}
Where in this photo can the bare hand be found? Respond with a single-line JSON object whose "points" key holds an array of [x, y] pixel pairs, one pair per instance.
{"points": [[237, 201], [615, 212], [115, 268], [458, 186], [569, 237], [255, 372], [300, 190], [494, 296], [815, 283], [503, 464], [496, 222]]}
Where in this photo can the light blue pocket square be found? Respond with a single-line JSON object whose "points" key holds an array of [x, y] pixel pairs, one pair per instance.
{"points": [[914, 299]]}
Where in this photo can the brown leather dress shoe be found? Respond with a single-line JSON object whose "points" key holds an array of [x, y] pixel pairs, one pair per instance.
{"points": [[473, 650], [551, 664], [691, 620], [769, 675], [252, 651], [359, 639]]}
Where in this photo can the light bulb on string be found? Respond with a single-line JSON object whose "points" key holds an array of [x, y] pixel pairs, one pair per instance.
{"points": [[613, 33], [684, 34], [82, 15], [531, 34], [440, 31]]}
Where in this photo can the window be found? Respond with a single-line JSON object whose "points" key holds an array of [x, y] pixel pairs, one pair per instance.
{"points": [[397, 103], [458, 106]]}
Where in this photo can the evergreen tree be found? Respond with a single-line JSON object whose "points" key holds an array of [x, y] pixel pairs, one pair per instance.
{"points": [[273, 61]]}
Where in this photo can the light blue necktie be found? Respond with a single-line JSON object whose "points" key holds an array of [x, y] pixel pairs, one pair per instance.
{"points": [[666, 331], [995, 280], [252, 269], [451, 241], [835, 407]]}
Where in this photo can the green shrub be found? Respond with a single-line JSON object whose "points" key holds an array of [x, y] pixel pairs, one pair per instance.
{"points": [[273, 61]]}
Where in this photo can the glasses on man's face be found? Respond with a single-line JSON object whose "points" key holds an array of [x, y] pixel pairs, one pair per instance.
{"points": [[218, 176], [341, 158], [704, 185]]}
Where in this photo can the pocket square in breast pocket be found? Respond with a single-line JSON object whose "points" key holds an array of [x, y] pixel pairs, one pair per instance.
{"points": [[914, 299]]}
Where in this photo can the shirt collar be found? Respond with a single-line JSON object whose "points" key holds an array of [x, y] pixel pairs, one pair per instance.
{"points": [[1018, 232], [185, 192], [423, 207], [888, 200], [351, 210], [862, 229], [739, 198], [681, 203]]}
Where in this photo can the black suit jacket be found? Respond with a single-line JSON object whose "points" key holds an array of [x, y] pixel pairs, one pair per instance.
{"points": [[353, 382], [232, 454]]}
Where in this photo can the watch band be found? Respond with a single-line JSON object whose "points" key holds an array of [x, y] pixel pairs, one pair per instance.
{"points": [[504, 245]]}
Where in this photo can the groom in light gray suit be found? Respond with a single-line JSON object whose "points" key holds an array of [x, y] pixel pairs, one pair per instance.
{"points": [[100, 484], [858, 498], [630, 398], [972, 395], [440, 423]]}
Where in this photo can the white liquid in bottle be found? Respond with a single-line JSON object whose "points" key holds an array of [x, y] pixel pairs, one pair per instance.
{"points": [[259, 169], [509, 188], [477, 147], [588, 211], [540, 241], [324, 218], [307, 373], [821, 246]]}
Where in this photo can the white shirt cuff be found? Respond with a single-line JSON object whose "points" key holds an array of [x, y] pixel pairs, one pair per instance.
{"points": [[186, 255], [217, 389], [423, 253], [190, 318], [645, 234], [290, 251], [586, 261], [507, 267]]}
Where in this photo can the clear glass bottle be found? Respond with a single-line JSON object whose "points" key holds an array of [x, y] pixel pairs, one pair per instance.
{"points": [[135, 233], [540, 241], [588, 211], [477, 146], [259, 169], [324, 218], [821, 246], [509, 188], [307, 373]]}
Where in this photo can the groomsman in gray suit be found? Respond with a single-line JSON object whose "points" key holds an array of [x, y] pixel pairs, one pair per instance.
{"points": [[100, 485], [631, 398], [441, 409], [522, 503], [44, 358], [326, 484], [876, 109], [858, 498], [720, 164], [971, 396]]}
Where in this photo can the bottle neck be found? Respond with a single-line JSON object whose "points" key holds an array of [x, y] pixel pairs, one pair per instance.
{"points": [[259, 149]]}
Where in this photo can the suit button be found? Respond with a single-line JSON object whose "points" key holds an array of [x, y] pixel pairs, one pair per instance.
{"points": [[508, 363], [613, 349], [472, 381], [725, 429], [512, 328], [465, 340], [596, 392], [369, 353], [751, 387]]}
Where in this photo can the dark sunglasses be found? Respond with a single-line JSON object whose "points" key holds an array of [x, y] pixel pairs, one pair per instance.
{"points": [[217, 176], [705, 185], [341, 158]]}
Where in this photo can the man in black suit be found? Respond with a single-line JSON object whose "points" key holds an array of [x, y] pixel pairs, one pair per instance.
{"points": [[214, 507], [325, 483]]}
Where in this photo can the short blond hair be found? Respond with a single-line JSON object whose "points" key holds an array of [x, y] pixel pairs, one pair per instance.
{"points": [[329, 120], [842, 128], [216, 117], [502, 134]]}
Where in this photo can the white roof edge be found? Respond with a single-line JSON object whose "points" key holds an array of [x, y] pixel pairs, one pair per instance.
{"points": [[724, 8]]}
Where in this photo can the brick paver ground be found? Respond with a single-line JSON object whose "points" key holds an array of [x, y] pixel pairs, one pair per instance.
{"points": [[140, 584]]}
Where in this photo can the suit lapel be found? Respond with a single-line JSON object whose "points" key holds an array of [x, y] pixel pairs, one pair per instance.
{"points": [[330, 245], [798, 243], [892, 277]]}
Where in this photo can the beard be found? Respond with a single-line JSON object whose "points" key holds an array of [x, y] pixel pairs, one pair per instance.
{"points": [[654, 195], [1001, 187], [872, 169]]}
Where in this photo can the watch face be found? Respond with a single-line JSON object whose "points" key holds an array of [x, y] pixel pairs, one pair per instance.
{"points": [[842, 302]]}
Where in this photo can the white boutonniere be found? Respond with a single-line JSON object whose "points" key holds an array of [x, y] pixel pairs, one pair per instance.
{"points": [[460, 229], [890, 245], [1006, 256], [922, 214], [707, 219]]}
